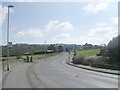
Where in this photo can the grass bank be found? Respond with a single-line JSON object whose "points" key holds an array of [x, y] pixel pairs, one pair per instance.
{"points": [[41, 56], [91, 52], [84, 58], [13, 61], [35, 56]]}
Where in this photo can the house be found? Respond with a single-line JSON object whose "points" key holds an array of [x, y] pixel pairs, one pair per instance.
{"points": [[88, 46]]}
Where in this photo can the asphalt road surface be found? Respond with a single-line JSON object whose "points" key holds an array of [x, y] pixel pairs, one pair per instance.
{"points": [[53, 72]]}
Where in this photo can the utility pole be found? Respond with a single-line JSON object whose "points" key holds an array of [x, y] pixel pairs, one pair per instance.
{"points": [[8, 68]]}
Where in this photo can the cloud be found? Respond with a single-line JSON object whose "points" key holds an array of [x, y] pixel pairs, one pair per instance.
{"points": [[59, 0], [101, 24], [3, 14], [52, 25], [31, 32], [63, 38], [56, 25], [114, 19], [96, 7], [19, 0], [98, 35]]}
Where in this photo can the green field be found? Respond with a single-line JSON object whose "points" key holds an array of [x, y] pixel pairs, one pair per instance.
{"points": [[13, 61], [37, 56], [91, 52], [40, 56]]}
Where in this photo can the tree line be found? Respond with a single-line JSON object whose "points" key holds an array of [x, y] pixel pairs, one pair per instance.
{"points": [[21, 49]]}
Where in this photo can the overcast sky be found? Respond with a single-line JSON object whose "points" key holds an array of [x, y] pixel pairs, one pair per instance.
{"points": [[60, 22]]}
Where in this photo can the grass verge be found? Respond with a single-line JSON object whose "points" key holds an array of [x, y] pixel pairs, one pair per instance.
{"points": [[13, 61], [91, 52], [82, 57]]}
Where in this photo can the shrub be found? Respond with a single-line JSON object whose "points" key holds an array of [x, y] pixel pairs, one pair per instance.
{"points": [[99, 62], [79, 60], [106, 66], [101, 66], [89, 61], [113, 48]]}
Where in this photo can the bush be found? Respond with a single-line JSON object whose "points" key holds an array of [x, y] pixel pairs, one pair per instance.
{"points": [[79, 60], [113, 48], [89, 61], [106, 66], [98, 62]]}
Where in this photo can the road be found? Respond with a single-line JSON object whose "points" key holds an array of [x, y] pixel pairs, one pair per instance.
{"points": [[53, 72]]}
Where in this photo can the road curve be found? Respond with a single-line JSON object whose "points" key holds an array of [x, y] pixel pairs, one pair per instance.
{"points": [[55, 73]]}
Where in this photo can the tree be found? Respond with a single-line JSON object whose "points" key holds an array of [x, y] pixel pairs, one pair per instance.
{"points": [[60, 49], [20, 49], [52, 47], [104, 52], [67, 50], [113, 50]]}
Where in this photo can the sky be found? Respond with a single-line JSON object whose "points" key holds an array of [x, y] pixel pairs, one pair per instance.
{"points": [[59, 22]]}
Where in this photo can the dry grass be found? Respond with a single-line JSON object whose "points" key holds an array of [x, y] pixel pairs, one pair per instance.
{"points": [[90, 60]]}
